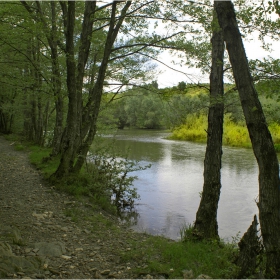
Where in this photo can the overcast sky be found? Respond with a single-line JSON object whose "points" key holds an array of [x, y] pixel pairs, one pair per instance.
{"points": [[170, 78]]}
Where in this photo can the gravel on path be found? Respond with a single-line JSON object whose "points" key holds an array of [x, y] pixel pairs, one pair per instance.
{"points": [[48, 234]]}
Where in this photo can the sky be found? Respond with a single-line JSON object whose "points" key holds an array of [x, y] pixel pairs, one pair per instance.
{"points": [[169, 78]]}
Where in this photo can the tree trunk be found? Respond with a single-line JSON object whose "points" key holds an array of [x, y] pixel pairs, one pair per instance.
{"points": [[249, 250], [71, 129], [269, 184], [206, 225], [75, 76], [91, 110], [56, 84]]}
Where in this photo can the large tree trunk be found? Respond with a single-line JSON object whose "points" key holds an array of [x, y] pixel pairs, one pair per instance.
{"points": [[269, 184], [206, 225], [91, 110], [56, 84], [71, 130]]}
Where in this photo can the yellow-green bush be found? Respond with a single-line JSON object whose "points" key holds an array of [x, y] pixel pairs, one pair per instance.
{"points": [[192, 130], [235, 134], [275, 132]]}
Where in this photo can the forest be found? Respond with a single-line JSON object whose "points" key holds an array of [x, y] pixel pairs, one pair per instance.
{"points": [[70, 70]]}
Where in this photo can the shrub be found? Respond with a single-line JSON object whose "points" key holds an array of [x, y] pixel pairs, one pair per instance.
{"points": [[110, 177]]}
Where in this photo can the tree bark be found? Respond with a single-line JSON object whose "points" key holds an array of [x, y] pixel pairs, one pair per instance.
{"points": [[56, 84], [75, 75], [269, 184], [68, 148], [206, 225], [249, 249], [91, 110]]}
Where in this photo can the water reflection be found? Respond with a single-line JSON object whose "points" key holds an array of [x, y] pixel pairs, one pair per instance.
{"points": [[170, 189]]}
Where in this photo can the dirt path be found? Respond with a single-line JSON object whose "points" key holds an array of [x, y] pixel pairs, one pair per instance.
{"points": [[47, 234]]}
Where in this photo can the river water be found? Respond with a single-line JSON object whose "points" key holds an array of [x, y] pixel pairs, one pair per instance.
{"points": [[170, 189]]}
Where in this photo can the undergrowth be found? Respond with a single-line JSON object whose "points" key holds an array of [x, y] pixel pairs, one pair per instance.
{"points": [[104, 178]]}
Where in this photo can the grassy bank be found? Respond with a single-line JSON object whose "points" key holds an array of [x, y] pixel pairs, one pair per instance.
{"points": [[235, 134], [147, 254]]}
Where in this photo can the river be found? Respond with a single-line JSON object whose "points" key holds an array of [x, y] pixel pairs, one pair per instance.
{"points": [[170, 189]]}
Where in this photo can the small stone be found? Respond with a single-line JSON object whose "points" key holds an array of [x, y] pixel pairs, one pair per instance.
{"points": [[93, 269], [79, 249], [67, 202], [97, 275], [105, 272], [38, 216], [45, 265], [40, 276], [203, 276], [86, 231], [66, 257], [53, 271], [28, 250], [113, 275], [187, 274], [20, 273]]}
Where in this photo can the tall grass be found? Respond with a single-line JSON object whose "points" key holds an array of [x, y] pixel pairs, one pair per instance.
{"points": [[235, 134]]}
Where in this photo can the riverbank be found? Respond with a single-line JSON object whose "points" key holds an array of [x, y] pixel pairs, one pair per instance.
{"points": [[234, 135], [46, 233]]}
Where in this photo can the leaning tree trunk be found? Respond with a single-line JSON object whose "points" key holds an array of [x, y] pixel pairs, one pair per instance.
{"points": [[269, 183], [75, 78], [206, 225], [91, 110]]}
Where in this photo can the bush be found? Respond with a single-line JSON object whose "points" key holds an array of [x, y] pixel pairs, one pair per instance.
{"points": [[109, 177], [235, 134], [192, 130]]}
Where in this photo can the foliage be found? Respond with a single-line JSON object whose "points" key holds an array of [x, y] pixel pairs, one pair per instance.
{"points": [[152, 109], [235, 133], [110, 175], [193, 130], [105, 177]]}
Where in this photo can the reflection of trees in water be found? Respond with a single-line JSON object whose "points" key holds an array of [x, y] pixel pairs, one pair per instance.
{"points": [[141, 150], [239, 161], [129, 217]]}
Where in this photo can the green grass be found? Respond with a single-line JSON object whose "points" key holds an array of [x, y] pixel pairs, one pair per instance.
{"points": [[82, 184], [170, 258], [36, 156]]}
